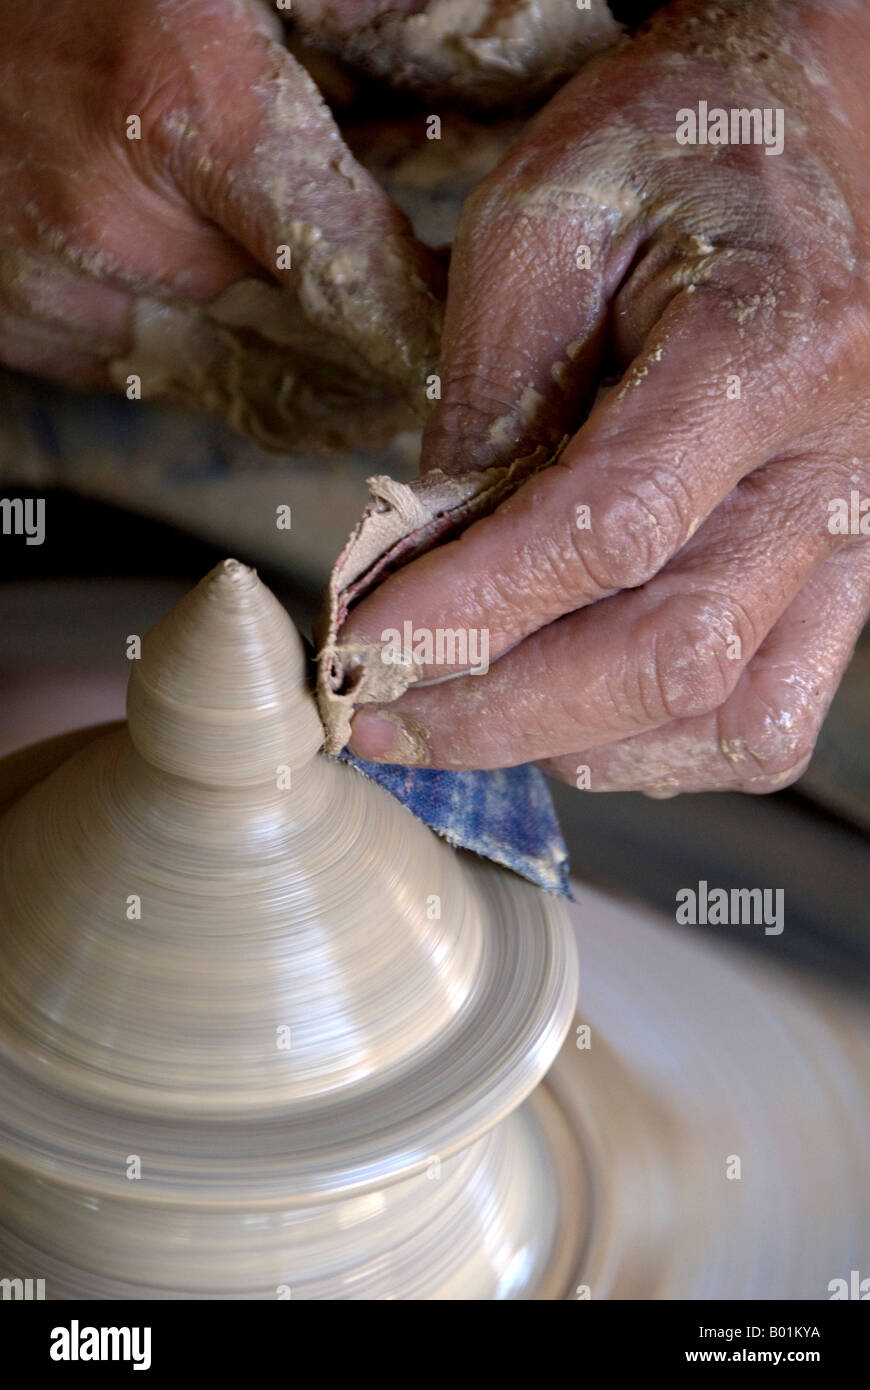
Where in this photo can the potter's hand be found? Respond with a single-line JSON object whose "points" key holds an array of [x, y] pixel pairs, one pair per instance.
{"points": [[488, 53], [673, 604], [167, 151]]}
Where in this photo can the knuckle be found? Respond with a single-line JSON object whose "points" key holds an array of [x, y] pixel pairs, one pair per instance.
{"points": [[484, 200], [494, 229], [480, 381], [143, 78], [691, 658], [169, 84], [635, 533]]}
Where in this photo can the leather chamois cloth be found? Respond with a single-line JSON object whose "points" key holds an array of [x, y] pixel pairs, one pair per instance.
{"points": [[506, 815]]}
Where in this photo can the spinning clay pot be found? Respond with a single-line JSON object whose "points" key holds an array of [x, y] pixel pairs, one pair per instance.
{"points": [[260, 1029]]}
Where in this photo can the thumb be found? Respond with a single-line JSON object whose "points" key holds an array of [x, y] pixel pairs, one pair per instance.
{"points": [[266, 162]]}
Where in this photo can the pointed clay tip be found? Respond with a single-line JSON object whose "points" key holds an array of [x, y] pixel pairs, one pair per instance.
{"points": [[230, 575], [232, 583], [221, 692]]}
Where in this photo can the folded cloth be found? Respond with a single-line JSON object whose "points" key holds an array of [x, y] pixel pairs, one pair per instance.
{"points": [[506, 815], [401, 522]]}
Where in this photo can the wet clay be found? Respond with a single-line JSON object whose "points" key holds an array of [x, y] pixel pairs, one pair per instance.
{"points": [[483, 52], [253, 357], [219, 953], [289, 1077], [339, 357]]}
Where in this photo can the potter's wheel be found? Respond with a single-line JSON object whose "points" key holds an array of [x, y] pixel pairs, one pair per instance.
{"points": [[699, 1053], [412, 1176], [696, 1054]]}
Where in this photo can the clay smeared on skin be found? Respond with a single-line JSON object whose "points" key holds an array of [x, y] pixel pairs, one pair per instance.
{"points": [[340, 359], [367, 298], [602, 157], [253, 357], [281, 366], [483, 52], [402, 521]]}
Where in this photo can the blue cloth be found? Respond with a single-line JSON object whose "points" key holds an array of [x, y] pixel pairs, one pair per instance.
{"points": [[506, 815]]}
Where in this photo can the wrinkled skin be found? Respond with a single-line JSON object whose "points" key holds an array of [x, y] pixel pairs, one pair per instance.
{"points": [[708, 514], [238, 155]]}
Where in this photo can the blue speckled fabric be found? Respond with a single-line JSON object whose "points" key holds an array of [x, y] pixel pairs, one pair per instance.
{"points": [[506, 815]]}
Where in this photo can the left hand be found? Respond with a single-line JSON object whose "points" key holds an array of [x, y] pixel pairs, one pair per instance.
{"points": [[693, 636], [153, 156]]}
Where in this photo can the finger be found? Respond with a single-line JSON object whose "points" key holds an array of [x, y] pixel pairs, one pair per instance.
{"points": [[58, 323], [78, 358], [674, 649], [599, 166], [761, 739], [266, 163], [532, 270], [240, 163], [249, 360], [40, 289], [542, 249], [651, 463]]}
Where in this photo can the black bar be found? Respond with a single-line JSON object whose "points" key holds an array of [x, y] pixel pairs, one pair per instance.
{"points": [[242, 1338]]}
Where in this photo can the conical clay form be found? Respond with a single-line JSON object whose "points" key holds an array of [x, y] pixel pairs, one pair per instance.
{"points": [[249, 966]]}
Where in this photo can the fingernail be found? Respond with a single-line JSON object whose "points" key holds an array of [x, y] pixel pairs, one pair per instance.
{"points": [[663, 793], [385, 738]]}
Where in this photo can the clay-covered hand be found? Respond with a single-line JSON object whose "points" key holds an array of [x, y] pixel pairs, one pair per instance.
{"points": [[156, 153], [483, 53], [672, 605]]}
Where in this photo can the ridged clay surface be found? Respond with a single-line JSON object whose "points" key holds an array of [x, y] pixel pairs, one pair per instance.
{"points": [[311, 998]]}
